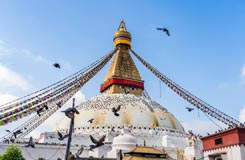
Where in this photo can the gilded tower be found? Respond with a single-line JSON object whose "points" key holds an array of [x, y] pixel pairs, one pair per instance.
{"points": [[122, 76]]}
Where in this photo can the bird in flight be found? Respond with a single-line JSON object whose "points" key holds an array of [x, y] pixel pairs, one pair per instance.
{"points": [[97, 143], [41, 109], [115, 110], [164, 30], [61, 136], [56, 65], [45, 106], [51, 137], [69, 112], [59, 104], [8, 131], [113, 129], [15, 133], [91, 120], [30, 143], [79, 152], [189, 109]]}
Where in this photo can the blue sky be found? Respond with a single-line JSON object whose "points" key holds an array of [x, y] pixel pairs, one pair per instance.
{"points": [[205, 53]]}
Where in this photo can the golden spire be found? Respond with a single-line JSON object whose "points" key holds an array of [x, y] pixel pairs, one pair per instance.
{"points": [[122, 36], [123, 75], [122, 26]]}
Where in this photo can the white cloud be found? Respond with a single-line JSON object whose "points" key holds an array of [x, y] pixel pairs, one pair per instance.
{"points": [[4, 98], [41, 59], [202, 127], [9, 79], [243, 71], [8, 51], [242, 115], [37, 58], [51, 123], [5, 50]]}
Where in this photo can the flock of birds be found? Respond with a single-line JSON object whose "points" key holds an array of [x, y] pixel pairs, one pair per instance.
{"points": [[96, 142], [45, 106], [70, 114], [15, 133], [57, 65]]}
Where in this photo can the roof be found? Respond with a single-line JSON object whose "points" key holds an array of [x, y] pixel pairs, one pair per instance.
{"points": [[148, 153], [142, 158], [144, 150], [94, 158], [226, 138]]}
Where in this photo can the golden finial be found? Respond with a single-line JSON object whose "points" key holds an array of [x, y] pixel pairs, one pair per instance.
{"points": [[122, 26], [122, 36]]}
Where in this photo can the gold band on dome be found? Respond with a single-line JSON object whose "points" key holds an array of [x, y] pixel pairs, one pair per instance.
{"points": [[122, 33], [122, 41], [122, 36]]}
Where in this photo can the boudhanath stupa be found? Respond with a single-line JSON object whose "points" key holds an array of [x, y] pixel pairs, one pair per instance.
{"points": [[123, 113]]}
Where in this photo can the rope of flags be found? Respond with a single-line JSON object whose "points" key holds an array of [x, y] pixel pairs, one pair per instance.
{"points": [[39, 120], [37, 104], [198, 103], [32, 107], [35, 95]]}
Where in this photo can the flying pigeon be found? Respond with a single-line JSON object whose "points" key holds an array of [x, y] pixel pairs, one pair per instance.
{"points": [[8, 131], [45, 106], [164, 30], [91, 120], [79, 152], [61, 137], [113, 129], [189, 109], [97, 143], [17, 132], [69, 112], [14, 134], [12, 140], [58, 104], [115, 110], [30, 143], [39, 111], [56, 65]]}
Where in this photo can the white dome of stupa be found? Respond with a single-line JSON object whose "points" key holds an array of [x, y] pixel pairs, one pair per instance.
{"points": [[137, 112]]}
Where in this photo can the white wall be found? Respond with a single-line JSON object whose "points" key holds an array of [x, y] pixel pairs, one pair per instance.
{"points": [[233, 153], [42, 151]]}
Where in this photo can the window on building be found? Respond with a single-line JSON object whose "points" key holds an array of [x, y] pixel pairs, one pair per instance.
{"points": [[218, 141]]}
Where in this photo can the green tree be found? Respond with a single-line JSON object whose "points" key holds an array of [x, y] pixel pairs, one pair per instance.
{"points": [[12, 153]]}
